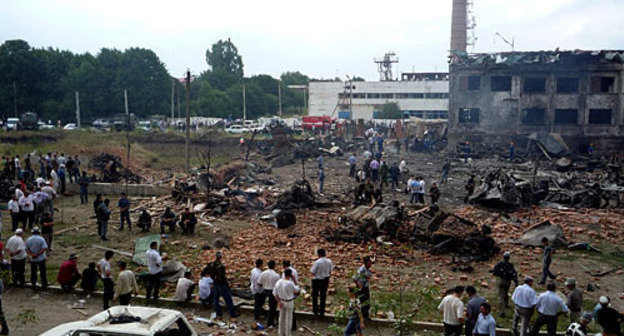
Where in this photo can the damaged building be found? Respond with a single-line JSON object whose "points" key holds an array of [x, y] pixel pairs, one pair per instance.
{"points": [[577, 94]]}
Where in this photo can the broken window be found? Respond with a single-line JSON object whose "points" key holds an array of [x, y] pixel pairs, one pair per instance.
{"points": [[534, 84], [533, 116], [500, 83], [566, 116], [567, 85], [469, 115], [600, 84], [600, 116], [470, 83]]}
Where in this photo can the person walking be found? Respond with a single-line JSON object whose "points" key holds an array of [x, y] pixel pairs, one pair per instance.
{"points": [[505, 273], [548, 252], [285, 293], [37, 248], [473, 308], [104, 268], [356, 324], [221, 286], [321, 271], [267, 282], [17, 252], [549, 307], [486, 325], [525, 299], [453, 312], [68, 274], [154, 264], [83, 182], [256, 289], [124, 212], [362, 282], [574, 300], [126, 285]]}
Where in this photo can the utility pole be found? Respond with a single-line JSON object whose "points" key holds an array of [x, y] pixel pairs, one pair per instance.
{"points": [[77, 109], [279, 97], [188, 118], [244, 107], [179, 103], [15, 98], [172, 100], [127, 136], [305, 102]]}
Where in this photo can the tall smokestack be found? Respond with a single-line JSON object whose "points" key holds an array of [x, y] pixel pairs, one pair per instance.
{"points": [[459, 25]]}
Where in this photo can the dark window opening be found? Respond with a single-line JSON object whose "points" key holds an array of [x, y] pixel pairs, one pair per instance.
{"points": [[567, 85], [359, 95], [402, 95], [534, 84], [600, 116], [469, 115], [470, 83], [416, 95], [533, 116], [566, 116], [373, 95], [387, 95], [601, 84], [500, 83]]}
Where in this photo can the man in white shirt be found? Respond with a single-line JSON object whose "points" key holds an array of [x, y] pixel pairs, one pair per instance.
{"points": [[154, 264], [549, 307], [525, 299], [14, 209], [17, 251], [185, 288], [205, 288], [285, 293], [126, 285], [295, 279], [421, 190], [453, 311], [27, 207], [267, 281], [321, 271], [104, 268], [256, 289]]}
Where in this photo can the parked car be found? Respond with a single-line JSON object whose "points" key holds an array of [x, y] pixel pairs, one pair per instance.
{"points": [[101, 123], [12, 124], [70, 127], [258, 128], [237, 129], [147, 322], [145, 125]]}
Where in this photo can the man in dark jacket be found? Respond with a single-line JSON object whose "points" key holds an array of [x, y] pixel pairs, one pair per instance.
{"points": [[188, 222]]}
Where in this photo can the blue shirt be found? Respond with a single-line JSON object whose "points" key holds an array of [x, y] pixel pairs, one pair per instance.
{"points": [[524, 296], [36, 244], [472, 308], [352, 160], [549, 304], [485, 325], [123, 202]]}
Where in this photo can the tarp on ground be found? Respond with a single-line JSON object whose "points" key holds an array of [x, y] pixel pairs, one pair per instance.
{"points": [[141, 246], [552, 142]]}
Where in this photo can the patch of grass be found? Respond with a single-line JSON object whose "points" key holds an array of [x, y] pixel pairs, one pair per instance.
{"points": [[26, 316]]}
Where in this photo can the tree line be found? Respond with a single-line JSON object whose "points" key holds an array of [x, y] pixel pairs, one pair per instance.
{"points": [[45, 80]]}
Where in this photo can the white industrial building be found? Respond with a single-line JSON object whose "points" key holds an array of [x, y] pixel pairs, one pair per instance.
{"points": [[420, 95]]}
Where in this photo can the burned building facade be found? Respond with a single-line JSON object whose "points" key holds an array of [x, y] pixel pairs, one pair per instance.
{"points": [[577, 94]]}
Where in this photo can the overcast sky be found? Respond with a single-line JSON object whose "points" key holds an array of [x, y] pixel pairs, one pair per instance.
{"points": [[319, 38]]}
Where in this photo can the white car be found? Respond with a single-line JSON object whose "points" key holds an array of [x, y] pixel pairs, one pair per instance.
{"points": [[149, 322], [12, 124], [237, 129], [70, 127]]}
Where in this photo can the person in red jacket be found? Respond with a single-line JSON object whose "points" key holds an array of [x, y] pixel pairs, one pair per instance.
{"points": [[68, 274]]}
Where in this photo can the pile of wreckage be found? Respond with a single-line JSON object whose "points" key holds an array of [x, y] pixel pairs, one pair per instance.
{"points": [[437, 231], [111, 170]]}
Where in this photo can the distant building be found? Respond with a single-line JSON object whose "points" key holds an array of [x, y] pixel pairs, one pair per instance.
{"points": [[421, 95], [573, 93]]}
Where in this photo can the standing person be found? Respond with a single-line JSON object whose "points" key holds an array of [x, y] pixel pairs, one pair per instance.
{"points": [[124, 212], [525, 299], [470, 187], [205, 288], [580, 328], [96, 203], [90, 278], [574, 300], [68, 274], [103, 214], [83, 181], [47, 228], [321, 177], [17, 251], [285, 292], [295, 279], [549, 307], [126, 285], [36, 248], [486, 325], [394, 176], [453, 310], [76, 170], [356, 324], [412, 187], [383, 175], [184, 288], [188, 222], [221, 286], [352, 164], [472, 309], [69, 165], [446, 168], [321, 161], [267, 281], [321, 271], [256, 289], [421, 190], [374, 168], [27, 207], [548, 252], [104, 268], [362, 282], [512, 151], [434, 193], [608, 318], [505, 273], [62, 178], [14, 209], [380, 140], [154, 264]]}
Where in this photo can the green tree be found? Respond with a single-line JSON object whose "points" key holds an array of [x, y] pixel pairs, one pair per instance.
{"points": [[294, 78], [358, 79], [224, 56], [390, 111]]}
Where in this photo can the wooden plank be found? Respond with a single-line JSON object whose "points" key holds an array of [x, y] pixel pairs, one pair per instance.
{"points": [[71, 228]]}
